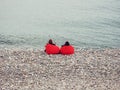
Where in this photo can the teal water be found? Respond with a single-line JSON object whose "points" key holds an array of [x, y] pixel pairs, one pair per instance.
{"points": [[84, 23]]}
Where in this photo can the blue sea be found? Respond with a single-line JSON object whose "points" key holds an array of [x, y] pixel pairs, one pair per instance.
{"points": [[84, 23]]}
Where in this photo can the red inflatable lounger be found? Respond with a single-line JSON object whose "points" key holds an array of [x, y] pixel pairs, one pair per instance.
{"points": [[67, 50], [52, 49]]}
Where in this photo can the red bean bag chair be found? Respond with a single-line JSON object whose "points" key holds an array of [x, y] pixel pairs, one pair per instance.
{"points": [[51, 49], [66, 50]]}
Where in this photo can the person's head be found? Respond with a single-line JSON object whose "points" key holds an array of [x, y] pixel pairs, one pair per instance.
{"points": [[67, 43], [50, 41]]}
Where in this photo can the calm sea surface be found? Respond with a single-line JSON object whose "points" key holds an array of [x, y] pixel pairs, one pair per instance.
{"points": [[84, 23]]}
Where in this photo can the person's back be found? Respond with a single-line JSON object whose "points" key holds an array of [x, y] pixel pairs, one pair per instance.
{"points": [[67, 48], [51, 48]]}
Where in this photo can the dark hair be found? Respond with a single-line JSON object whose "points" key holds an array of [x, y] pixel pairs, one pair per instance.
{"points": [[51, 42], [67, 43]]}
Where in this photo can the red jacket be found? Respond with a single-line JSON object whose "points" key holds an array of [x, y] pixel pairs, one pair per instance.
{"points": [[67, 50], [51, 49]]}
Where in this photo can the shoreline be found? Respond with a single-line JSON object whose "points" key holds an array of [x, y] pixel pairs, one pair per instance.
{"points": [[32, 69]]}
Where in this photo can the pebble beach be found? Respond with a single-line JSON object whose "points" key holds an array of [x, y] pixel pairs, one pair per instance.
{"points": [[33, 69]]}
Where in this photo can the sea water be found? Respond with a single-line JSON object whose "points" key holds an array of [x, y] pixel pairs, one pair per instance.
{"points": [[84, 23]]}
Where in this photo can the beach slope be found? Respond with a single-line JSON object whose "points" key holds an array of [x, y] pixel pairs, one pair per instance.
{"points": [[87, 69]]}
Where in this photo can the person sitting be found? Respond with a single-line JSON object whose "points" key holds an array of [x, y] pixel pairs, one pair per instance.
{"points": [[51, 48], [67, 49]]}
